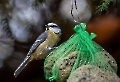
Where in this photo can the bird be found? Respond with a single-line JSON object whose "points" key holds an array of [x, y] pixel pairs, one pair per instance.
{"points": [[42, 46]]}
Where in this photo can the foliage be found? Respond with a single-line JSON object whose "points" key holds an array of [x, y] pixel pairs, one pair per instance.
{"points": [[104, 5]]}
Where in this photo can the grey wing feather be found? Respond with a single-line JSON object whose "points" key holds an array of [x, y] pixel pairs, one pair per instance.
{"points": [[39, 40]]}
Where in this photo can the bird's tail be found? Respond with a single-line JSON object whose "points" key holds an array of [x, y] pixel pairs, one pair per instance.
{"points": [[22, 66]]}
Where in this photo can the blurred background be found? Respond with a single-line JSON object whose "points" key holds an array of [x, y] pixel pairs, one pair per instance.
{"points": [[22, 21]]}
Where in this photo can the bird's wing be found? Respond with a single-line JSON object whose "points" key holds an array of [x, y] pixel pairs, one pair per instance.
{"points": [[38, 41]]}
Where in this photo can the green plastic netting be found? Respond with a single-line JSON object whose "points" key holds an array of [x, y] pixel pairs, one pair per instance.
{"points": [[78, 50]]}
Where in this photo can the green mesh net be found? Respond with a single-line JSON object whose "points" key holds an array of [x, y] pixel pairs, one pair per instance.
{"points": [[78, 50]]}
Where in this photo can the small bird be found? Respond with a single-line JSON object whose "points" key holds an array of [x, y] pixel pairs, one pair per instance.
{"points": [[42, 46]]}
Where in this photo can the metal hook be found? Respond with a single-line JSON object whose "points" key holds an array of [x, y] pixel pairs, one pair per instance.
{"points": [[74, 1]]}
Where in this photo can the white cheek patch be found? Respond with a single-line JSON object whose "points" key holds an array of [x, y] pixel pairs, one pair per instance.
{"points": [[56, 30]]}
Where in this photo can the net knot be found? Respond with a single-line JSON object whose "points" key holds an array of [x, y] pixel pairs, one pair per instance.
{"points": [[81, 29]]}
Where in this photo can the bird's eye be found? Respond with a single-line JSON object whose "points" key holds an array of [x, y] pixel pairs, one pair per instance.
{"points": [[53, 26]]}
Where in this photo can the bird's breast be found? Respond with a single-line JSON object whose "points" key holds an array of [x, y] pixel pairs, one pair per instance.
{"points": [[43, 49]]}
